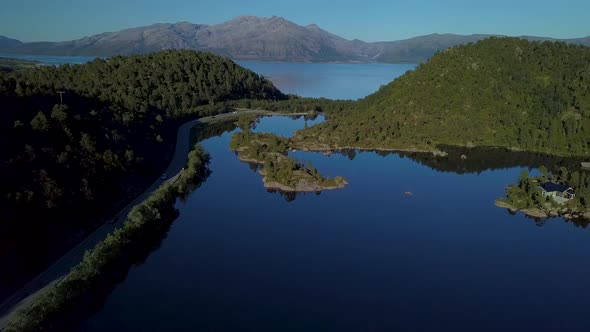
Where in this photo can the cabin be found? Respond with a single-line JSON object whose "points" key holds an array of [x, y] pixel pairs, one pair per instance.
{"points": [[558, 192]]}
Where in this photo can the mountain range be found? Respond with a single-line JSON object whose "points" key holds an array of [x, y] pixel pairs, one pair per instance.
{"points": [[252, 38]]}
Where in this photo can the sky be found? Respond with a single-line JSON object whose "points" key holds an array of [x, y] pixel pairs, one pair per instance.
{"points": [[368, 20]]}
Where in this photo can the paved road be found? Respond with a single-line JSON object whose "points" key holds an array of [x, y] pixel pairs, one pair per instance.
{"points": [[62, 266]]}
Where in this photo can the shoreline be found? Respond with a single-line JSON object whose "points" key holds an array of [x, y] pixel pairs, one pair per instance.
{"points": [[537, 213], [298, 147], [305, 146]]}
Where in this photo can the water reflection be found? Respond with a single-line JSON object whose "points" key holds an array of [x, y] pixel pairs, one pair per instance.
{"points": [[458, 160], [203, 131], [254, 167], [540, 222], [94, 300], [462, 160], [136, 255], [291, 196]]}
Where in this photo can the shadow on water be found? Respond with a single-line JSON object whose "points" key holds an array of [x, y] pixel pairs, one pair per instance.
{"points": [[94, 300], [137, 254], [203, 131], [290, 196], [462, 160], [540, 222]]}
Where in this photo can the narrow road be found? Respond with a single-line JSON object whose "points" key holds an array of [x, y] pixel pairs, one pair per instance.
{"points": [[63, 265]]}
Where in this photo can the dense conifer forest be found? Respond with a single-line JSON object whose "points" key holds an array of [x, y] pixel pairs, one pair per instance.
{"points": [[502, 92]]}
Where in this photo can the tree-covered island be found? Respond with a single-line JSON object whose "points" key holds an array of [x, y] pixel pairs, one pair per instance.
{"points": [[551, 194], [280, 171]]}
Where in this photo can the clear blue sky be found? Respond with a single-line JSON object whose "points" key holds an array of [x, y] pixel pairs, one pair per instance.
{"points": [[35, 20]]}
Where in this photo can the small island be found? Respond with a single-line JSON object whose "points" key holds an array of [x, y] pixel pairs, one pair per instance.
{"points": [[280, 171], [556, 194]]}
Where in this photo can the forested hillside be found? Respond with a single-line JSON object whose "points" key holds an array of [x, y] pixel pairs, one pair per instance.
{"points": [[79, 141], [503, 92]]}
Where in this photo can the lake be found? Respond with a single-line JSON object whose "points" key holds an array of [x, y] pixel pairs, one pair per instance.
{"points": [[364, 258], [328, 80], [331, 80]]}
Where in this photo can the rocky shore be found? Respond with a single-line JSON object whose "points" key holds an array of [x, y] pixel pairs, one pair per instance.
{"points": [[538, 213]]}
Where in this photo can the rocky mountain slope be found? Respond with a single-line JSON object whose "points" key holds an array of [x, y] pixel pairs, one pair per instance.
{"points": [[251, 38]]}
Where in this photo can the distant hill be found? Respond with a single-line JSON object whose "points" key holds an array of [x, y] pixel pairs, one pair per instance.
{"points": [[500, 92], [251, 38], [245, 37], [7, 43], [419, 49]]}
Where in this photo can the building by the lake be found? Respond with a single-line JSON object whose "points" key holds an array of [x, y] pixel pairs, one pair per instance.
{"points": [[558, 192]]}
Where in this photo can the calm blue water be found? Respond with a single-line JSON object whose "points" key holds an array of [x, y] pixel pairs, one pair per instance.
{"points": [[334, 81], [365, 258]]}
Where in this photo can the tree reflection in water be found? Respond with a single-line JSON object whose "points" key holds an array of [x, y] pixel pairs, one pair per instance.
{"points": [[290, 196]]}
